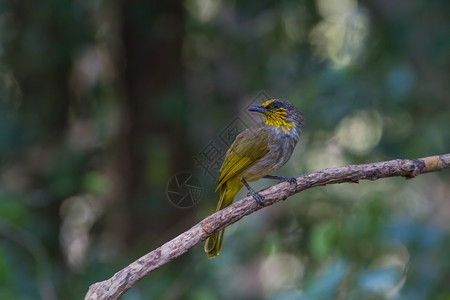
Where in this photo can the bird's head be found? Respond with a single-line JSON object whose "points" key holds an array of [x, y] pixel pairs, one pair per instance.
{"points": [[281, 114]]}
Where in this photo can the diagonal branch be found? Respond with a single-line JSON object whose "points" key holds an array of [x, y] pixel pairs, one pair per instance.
{"points": [[123, 280]]}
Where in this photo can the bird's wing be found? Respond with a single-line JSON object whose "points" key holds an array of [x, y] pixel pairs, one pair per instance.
{"points": [[249, 146]]}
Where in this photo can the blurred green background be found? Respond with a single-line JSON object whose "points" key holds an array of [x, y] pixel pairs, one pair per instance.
{"points": [[102, 102]]}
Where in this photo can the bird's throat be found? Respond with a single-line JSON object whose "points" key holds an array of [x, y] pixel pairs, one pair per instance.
{"points": [[280, 123]]}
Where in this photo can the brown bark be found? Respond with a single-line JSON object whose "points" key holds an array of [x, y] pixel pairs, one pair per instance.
{"points": [[123, 280]]}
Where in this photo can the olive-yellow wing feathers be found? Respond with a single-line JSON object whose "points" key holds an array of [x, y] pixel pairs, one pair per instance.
{"points": [[249, 146]]}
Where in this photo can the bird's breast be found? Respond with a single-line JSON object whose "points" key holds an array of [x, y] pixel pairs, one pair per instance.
{"points": [[280, 148]]}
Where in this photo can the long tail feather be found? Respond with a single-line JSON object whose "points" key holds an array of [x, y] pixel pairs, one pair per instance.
{"points": [[228, 191]]}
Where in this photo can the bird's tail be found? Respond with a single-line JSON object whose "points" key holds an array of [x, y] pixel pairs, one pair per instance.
{"points": [[228, 191]]}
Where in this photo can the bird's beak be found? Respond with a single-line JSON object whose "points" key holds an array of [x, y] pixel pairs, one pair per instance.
{"points": [[258, 108]]}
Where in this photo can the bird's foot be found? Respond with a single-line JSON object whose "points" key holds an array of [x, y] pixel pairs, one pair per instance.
{"points": [[288, 179], [257, 196], [282, 179]]}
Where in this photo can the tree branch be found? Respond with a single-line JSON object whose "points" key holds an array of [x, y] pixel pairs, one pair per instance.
{"points": [[123, 280]]}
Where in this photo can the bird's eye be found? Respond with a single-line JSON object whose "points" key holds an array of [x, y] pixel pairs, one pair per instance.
{"points": [[276, 105]]}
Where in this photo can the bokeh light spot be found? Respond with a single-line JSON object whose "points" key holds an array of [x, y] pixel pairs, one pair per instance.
{"points": [[361, 132], [340, 36], [280, 271]]}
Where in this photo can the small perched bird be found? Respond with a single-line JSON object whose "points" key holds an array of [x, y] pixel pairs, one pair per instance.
{"points": [[257, 152]]}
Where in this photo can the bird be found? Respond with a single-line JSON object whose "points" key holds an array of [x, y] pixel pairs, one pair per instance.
{"points": [[256, 153]]}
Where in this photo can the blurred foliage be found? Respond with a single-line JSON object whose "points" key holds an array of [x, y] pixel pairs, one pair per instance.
{"points": [[102, 102]]}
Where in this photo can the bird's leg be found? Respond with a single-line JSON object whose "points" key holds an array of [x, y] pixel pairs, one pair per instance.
{"points": [[282, 179], [256, 195]]}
